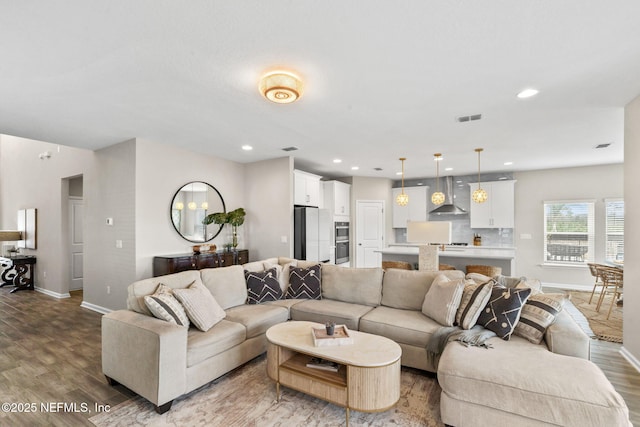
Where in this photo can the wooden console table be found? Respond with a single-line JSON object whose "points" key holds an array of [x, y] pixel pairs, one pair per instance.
{"points": [[168, 264], [19, 271]]}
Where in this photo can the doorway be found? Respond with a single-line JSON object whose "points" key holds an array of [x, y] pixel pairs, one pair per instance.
{"points": [[369, 232], [75, 239]]}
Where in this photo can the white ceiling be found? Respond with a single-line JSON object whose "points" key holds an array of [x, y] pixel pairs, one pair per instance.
{"points": [[383, 79]]}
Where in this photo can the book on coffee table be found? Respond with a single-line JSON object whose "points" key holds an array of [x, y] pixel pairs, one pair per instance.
{"points": [[340, 336], [325, 365]]}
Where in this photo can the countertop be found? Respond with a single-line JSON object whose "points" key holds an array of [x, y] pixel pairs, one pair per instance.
{"points": [[455, 252]]}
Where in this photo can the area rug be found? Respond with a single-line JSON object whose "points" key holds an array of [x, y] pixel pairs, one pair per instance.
{"points": [[247, 397], [603, 328]]}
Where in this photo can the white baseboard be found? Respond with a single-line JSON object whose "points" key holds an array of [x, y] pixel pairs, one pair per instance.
{"points": [[93, 307], [570, 287], [52, 294], [630, 358]]}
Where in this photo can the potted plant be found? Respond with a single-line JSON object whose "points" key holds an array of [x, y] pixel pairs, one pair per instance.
{"points": [[235, 218]]}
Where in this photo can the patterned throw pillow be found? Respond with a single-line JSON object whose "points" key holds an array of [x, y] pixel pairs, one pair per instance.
{"points": [[474, 297], [443, 299], [163, 305], [203, 310], [538, 314], [304, 283], [502, 312], [262, 286]]}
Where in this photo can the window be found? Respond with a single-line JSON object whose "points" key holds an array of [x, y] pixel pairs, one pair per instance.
{"points": [[568, 232], [615, 229]]}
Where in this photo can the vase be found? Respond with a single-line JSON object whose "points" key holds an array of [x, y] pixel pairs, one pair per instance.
{"points": [[234, 241]]}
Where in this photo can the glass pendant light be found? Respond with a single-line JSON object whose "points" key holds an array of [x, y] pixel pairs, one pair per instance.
{"points": [[192, 205], [437, 198], [479, 196], [402, 199]]}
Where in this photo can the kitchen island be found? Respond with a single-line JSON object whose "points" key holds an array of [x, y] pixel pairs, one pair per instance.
{"points": [[458, 256]]}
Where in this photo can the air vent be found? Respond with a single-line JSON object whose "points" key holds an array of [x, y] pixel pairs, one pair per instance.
{"points": [[473, 117], [290, 149], [377, 169], [603, 145]]}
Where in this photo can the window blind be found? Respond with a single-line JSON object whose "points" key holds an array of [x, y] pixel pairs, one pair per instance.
{"points": [[614, 230]]}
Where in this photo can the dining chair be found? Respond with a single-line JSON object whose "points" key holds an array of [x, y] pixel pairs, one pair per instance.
{"points": [[593, 268], [613, 281]]}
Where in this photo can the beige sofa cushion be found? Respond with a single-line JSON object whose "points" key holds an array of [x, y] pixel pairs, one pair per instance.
{"points": [[402, 326], [525, 379], [323, 310], [227, 285], [203, 310], [138, 290], [405, 289], [257, 318], [443, 299], [221, 337], [355, 285]]}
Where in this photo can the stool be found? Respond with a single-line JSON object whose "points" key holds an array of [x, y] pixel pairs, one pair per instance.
{"points": [[487, 270], [446, 267], [396, 264]]}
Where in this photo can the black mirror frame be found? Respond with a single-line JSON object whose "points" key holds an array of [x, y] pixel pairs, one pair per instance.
{"points": [[224, 209]]}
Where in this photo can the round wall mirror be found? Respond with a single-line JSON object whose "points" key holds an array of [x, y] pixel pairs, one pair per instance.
{"points": [[190, 205]]}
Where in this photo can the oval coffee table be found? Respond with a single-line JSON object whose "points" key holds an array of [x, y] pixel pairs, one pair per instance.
{"points": [[368, 377]]}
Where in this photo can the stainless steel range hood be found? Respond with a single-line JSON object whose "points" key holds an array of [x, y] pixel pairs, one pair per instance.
{"points": [[448, 208]]}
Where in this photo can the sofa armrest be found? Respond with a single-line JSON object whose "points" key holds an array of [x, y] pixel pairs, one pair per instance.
{"points": [[145, 354], [566, 337]]}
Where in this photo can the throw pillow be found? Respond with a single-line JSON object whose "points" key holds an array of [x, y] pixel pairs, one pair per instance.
{"points": [[443, 299], [305, 283], [502, 312], [474, 297], [534, 284], [478, 278], [262, 286], [203, 310], [283, 272], [538, 314], [163, 305]]}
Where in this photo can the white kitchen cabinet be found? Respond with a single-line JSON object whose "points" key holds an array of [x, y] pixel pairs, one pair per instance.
{"points": [[415, 210], [498, 211], [306, 189], [337, 197]]}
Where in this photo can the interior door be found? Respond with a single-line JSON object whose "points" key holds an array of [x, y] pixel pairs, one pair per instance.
{"points": [[369, 232], [76, 242]]}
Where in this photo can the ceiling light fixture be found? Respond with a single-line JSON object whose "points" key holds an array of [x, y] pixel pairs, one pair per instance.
{"points": [[281, 87], [192, 205], [527, 93], [355, 168], [337, 160], [437, 198], [247, 147], [479, 196], [508, 163], [402, 199]]}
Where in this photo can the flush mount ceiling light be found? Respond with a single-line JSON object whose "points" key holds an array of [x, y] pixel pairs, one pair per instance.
{"points": [[281, 87], [437, 198], [402, 199], [527, 93], [479, 196]]}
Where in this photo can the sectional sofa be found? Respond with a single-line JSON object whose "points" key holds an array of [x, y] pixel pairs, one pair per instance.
{"points": [[514, 383]]}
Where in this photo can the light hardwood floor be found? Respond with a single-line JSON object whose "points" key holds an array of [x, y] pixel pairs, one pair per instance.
{"points": [[50, 354]]}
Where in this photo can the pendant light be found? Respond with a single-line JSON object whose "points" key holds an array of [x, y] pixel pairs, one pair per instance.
{"points": [[192, 205], [402, 199], [479, 196], [437, 198]]}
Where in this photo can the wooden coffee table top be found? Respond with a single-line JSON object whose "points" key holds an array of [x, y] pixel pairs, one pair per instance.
{"points": [[367, 350]]}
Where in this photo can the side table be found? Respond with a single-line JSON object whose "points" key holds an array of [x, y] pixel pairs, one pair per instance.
{"points": [[19, 271]]}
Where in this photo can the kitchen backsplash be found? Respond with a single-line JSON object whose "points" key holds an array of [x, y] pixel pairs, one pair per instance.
{"points": [[461, 228]]}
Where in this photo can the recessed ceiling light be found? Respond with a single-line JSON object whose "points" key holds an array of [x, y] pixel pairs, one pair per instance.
{"points": [[502, 178], [419, 183], [448, 169], [398, 173], [508, 163], [337, 161], [247, 147], [354, 168], [527, 93]]}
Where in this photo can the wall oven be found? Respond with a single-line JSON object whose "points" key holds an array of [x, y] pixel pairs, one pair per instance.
{"points": [[342, 242]]}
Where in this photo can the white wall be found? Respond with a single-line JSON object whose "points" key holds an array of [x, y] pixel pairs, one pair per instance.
{"points": [[160, 171], [269, 205], [114, 196], [365, 188], [535, 187], [29, 182], [632, 230]]}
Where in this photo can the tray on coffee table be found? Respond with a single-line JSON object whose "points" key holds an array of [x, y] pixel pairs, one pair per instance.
{"points": [[340, 336]]}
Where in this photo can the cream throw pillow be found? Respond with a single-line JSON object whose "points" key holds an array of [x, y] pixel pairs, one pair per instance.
{"points": [[474, 298], [442, 300], [203, 310], [163, 305]]}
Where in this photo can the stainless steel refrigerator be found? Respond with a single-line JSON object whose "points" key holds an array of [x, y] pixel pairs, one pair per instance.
{"points": [[312, 231]]}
